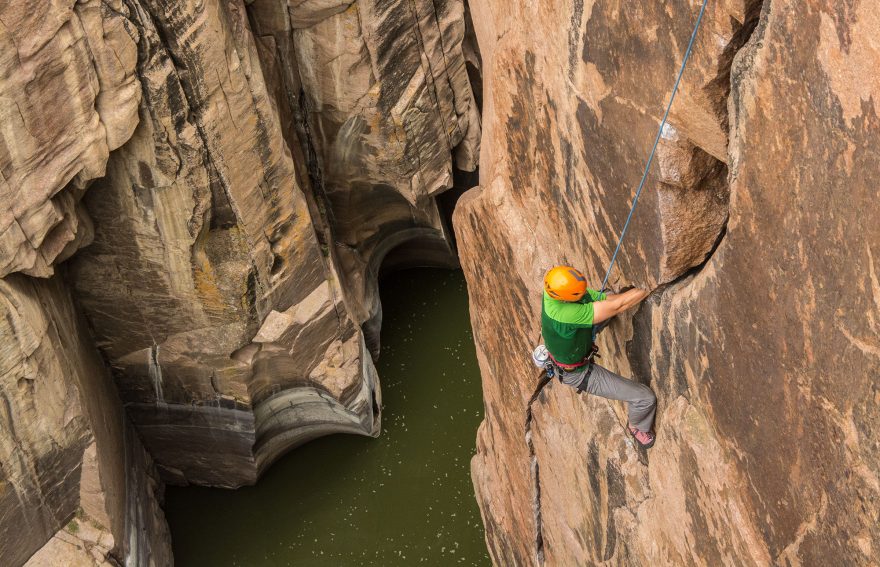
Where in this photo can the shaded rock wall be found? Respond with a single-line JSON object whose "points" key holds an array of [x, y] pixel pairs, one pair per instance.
{"points": [[223, 276], [760, 339], [73, 469], [378, 96]]}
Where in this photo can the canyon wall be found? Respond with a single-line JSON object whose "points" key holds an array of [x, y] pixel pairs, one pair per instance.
{"points": [[204, 191], [756, 233], [196, 198], [74, 472], [203, 237]]}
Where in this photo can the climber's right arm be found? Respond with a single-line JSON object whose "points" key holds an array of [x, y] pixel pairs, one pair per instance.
{"points": [[617, 304]]}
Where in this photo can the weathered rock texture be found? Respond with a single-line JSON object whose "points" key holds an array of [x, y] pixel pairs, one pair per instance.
{"points": [[763, 347], [73, 469], [68, 96], [378, 95], [223, 180], [206, 285]]}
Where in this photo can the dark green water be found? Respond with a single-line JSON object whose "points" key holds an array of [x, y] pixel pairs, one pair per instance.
{"points": [[403, 499]]}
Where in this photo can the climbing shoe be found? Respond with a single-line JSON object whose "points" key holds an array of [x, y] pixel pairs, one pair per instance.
{"points": [[644, 438]]}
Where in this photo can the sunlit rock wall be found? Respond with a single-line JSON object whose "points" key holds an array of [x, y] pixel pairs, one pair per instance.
{"points": [[68, 96], [756, 231]]}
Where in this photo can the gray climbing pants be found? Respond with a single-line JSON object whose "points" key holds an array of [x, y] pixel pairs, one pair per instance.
{"points": [[641, 401]]}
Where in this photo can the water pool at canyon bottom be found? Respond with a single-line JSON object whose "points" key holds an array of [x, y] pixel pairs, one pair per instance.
{"points": [[405, 498]]}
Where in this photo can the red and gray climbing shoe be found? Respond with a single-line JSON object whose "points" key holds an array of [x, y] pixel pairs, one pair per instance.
{"points": [[644, 438]]}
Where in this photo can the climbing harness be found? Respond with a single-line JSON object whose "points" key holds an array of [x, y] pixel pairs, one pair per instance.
{"points": [[588, 370], [542, 358], [632, 209]]}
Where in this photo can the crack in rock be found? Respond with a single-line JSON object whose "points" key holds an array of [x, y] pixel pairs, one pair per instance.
{"points": [[543, 381]]}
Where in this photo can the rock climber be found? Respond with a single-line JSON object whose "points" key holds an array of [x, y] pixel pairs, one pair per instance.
{"points": [[568, 315]]}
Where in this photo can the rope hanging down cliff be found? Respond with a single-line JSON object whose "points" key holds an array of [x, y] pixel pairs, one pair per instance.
{"points": [[632, 209], [541, 355]]}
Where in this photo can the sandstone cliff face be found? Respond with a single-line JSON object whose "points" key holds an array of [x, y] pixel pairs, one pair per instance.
{"points": [[73, 468], [241, 169], [228, 296], [378, 96], [70, 96], [204, 238], [223, 180], [755, 231]]}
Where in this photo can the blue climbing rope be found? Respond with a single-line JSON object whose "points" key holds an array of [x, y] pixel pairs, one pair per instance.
{"points": [[632, 209]]}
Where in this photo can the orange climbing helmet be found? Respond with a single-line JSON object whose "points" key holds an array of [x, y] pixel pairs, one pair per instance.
{"points": [[565, 283]]}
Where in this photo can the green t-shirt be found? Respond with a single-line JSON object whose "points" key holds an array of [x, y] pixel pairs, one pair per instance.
{"points": [[567, 326]]}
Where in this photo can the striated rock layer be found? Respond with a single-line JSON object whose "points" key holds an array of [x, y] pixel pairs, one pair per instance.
{"points": [[258, 181], [756, 232], [377, 95], [68, 96]]}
